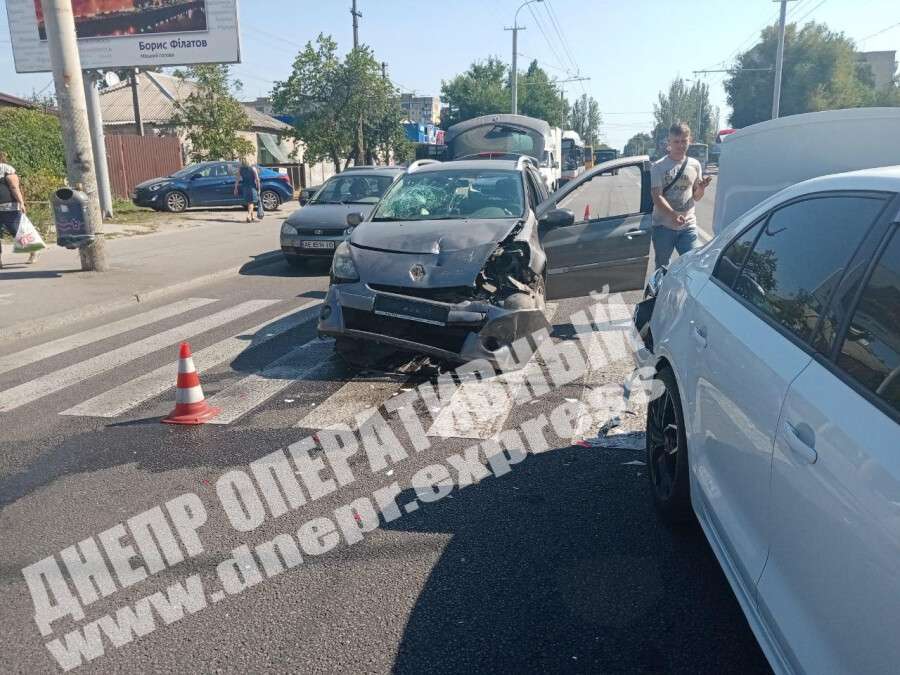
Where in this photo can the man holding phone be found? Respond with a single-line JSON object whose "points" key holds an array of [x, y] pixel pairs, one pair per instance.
{"points": [[676, 184]]}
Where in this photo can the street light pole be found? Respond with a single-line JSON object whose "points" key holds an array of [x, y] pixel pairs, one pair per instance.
{"points": [[514, 74], [779, 61], [73, 119]]}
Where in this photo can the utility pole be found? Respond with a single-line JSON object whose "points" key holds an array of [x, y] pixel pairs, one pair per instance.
{"points": [[360, 143], [136, 103], [66, 63], [98, 141], [514, 71], [779, 61], [384, 71]]}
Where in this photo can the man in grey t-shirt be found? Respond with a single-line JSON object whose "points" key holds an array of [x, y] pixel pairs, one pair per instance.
{"points": [[675, 190]]}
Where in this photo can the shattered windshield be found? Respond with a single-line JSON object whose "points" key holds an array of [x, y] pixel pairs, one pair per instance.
{"points": [[453, 195]]}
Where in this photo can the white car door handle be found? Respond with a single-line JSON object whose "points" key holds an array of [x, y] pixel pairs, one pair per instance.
{"points": [[631, 234], [699, 335], [798, 445]]}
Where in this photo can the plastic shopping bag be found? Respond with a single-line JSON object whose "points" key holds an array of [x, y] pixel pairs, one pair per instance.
{"points": [[260, 212], [28, 240]]}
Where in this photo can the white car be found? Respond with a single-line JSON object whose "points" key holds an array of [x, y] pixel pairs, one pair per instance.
{"points": [[778, 345]]}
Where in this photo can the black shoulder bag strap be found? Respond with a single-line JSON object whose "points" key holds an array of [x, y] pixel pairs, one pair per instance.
{"points": [[677, 176]]}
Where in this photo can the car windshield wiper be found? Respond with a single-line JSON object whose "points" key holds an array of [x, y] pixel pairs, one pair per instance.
{"points": [[388, 219], [360, 202]]}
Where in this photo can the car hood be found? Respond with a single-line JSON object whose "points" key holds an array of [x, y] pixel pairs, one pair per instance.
{"points": [[326, 215], [451, 252], [154, 181]]}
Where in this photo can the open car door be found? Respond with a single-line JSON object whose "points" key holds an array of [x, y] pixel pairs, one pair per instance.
{"points": [[609, 242]]}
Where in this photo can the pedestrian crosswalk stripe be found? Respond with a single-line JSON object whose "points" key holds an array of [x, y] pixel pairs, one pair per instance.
{"points": [[126, 396], [46, 350], [354, 397], [244, 395], [479, 408], [40, 387]]}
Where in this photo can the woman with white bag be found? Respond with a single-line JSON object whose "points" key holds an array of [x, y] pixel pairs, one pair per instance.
{"points": [[12, 204]]}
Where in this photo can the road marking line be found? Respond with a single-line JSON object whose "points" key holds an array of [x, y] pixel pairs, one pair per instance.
{"points": [[126, 396], [354, 397], [70, 342], [53, 382], [479, 408], [249, 392]]}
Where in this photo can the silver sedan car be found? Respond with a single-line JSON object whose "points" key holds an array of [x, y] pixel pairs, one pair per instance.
{"points": [[315, 230]]}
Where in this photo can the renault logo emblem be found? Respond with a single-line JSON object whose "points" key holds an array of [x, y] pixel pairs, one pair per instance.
{"points": [[417, 272], [318, 232]]}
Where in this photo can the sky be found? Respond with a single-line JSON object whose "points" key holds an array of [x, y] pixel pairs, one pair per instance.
{"points": [[630, 50]]}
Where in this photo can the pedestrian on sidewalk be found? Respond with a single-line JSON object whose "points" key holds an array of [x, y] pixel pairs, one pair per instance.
{"points": [[247, 184], [676, 184], [12, 203]]}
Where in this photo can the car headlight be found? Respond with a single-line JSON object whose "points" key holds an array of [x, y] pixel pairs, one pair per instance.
{"points": [[342, 268], [655, 282], [289, 230], [157, 186]]}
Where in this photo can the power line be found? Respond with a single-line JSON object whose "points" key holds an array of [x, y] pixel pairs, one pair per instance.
{"points": [[562, 38], [883, 30], [540, 26], [811, 11]]}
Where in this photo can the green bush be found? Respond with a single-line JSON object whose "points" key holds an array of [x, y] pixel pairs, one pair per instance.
{"points": [[32, 141]]}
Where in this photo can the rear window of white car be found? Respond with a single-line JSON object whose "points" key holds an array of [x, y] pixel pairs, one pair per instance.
{"points": [[870, 353]]}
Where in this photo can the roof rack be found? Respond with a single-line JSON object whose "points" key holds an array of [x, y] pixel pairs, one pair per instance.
{"points": [[419, 163]]}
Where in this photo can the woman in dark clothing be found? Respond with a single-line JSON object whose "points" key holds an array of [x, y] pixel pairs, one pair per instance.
{"points": [[12, 202], [247, 185]]}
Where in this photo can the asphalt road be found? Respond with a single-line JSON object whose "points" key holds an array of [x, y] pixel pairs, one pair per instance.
{"points": [[558, 566]]}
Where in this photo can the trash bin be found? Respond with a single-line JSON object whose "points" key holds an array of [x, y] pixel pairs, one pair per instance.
{"points": [[70, 213]]}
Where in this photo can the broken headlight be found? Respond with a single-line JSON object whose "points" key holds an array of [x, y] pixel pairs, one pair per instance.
{"points": [[342, 268]]}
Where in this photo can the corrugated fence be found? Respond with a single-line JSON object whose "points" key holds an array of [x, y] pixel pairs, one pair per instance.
{"points": [[133, 159]]}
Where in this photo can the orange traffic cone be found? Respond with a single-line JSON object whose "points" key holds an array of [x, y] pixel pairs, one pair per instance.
{"points": [[190, 405], [587, 211]]}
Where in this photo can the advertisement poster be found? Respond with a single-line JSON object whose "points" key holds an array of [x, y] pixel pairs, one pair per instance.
{"points": [[131, 33]]}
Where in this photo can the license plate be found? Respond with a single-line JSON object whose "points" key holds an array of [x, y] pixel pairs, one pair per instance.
{"points": [[410, 309], [317, 244]]}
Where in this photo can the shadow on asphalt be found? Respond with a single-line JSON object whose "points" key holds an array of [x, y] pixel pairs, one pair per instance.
{"points": [[28, 272], [273, 264], [562, 566]]}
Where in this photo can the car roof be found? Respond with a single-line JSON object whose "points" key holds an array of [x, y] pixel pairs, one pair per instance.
{"points": [[374, 170], [470, 164]]}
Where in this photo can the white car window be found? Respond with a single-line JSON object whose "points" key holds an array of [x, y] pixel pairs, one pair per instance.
{"points": [[871, 350], [800, 256]]}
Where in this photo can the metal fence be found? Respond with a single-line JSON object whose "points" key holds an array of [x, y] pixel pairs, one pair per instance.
{"points": [[133, 159]]}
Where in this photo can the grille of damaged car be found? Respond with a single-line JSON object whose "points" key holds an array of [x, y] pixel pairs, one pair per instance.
{"points": [[448, 338], [451, 294], [387, 305]]}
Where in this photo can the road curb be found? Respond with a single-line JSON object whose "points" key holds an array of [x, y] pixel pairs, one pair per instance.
{"points": [[45, 325]]}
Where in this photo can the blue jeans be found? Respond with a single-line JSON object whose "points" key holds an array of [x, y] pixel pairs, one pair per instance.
{"points": [[666, 240], [9, 221]]}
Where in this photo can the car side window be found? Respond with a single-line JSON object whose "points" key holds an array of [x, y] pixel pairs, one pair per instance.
{"points": [[800, 257], [220, 170], [870, 353], [206, 171], [734, 255], [607, 195]]}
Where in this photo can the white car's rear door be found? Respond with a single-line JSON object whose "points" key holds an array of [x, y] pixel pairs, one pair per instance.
{"points": [[831, 588], [752, 335]]}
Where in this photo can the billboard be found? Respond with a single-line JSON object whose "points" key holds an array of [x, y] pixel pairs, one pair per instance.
{"points": [[131, 33]]}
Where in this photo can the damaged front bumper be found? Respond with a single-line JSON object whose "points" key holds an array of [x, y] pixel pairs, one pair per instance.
{"points": [[455, 332]]}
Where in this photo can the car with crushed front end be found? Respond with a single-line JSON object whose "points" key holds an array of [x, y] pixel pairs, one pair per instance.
{"points": [[458, 259], [314, 231]]}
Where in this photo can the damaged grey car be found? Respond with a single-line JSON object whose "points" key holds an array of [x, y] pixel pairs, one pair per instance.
{"points": [[458, 259]]}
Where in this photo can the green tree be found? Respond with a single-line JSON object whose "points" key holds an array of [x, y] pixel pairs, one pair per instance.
{"points": [[211, 117], [639, 144], [586, 120], [484, 89], [540, 98], [329, 97], [685, 104], [822, 71], [481, 90]]}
